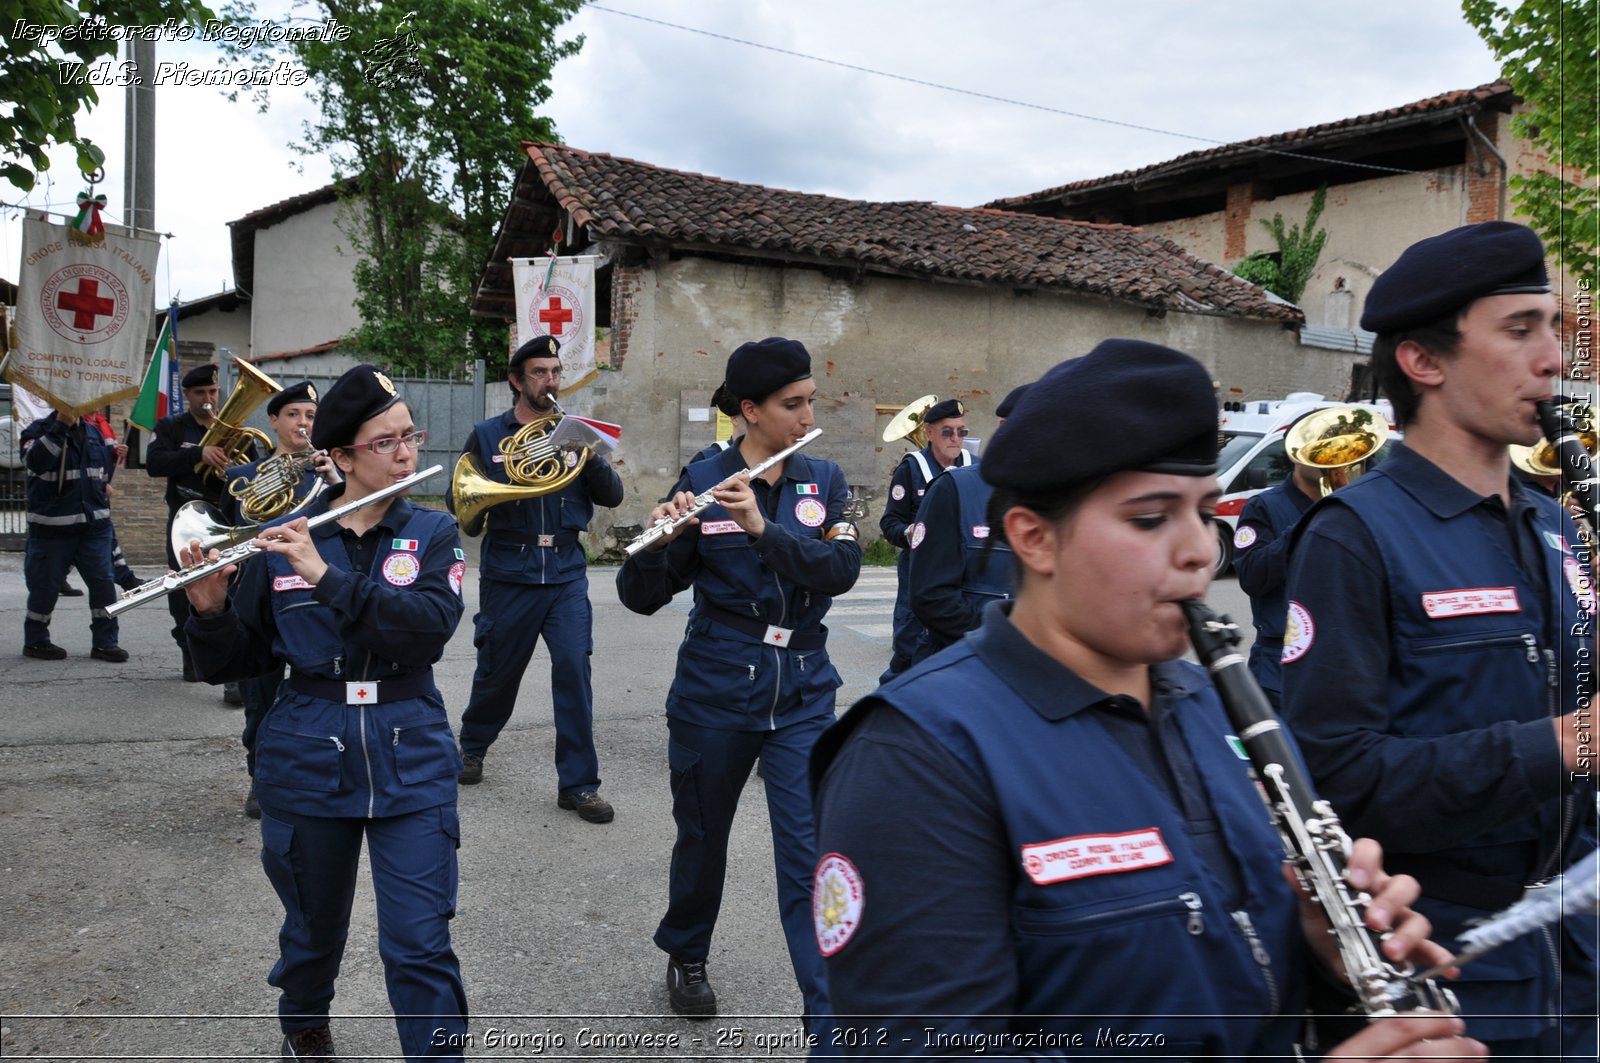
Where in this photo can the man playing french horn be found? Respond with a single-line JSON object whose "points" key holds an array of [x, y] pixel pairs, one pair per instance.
{"points": [[265, 490], [534, 579], [192, 471]]}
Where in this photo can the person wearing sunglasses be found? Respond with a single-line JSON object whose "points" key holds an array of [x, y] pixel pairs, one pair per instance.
{"points": [[534, 584], [946, 426], [357, 744]]}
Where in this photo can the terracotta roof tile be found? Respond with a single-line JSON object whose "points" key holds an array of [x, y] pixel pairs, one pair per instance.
{"points": [[1308, 139], [632, 202]]}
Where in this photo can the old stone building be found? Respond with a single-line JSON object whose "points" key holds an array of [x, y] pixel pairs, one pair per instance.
{"points": [[894, 300]]}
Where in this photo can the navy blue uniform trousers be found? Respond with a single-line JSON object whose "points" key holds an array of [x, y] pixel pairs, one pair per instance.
{"points": [[709, 767], [314, 859], [45, 565], [511, 617]]}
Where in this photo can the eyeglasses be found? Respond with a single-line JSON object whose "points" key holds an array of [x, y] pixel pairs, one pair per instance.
{"points": [[390, 444], [947, 433]]}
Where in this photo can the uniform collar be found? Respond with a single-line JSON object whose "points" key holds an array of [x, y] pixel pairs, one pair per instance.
{"points": [[1439, 492], [1049, 687]]}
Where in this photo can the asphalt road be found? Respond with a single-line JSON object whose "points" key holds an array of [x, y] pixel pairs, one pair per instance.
{"points": [[138, 922]]}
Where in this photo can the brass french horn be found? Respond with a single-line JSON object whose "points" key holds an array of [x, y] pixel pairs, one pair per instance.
{"points": [[1337, 441], [907, 424], [534, 465]]}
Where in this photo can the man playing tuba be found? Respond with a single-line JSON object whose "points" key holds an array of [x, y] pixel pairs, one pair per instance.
{"points": [[534, 579], [175, 449]]}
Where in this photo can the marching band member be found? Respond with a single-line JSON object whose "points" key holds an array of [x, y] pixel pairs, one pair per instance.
{"points": [[535, 583], [946, 425], [1076, 850], [1261, 560], [173, 453], [1440, 634], [69, 465], [290, 414], [753, 674], [956, 567], [357, 743]]}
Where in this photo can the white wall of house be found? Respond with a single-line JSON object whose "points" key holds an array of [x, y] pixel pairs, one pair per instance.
{"points": [[220, 328], [882, 341], [305, 288]]}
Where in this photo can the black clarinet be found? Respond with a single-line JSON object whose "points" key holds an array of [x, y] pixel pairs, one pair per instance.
{"points": [[1577, 469], [1317, 845]]}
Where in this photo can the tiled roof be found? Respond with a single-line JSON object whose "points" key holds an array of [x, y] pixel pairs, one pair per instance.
{"points": [[242, 232], [625, 201], [1434, 109]]}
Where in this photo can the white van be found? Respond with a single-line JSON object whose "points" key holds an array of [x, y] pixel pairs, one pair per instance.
{"points": [[1252, 458]]}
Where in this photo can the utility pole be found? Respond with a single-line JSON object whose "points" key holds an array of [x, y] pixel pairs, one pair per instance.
{"points": [[139, 138]]}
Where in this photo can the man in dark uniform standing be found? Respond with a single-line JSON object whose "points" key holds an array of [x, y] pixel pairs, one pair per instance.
{"points": [[173, 455], [1438, 661], [946, 425], [1261, 559], [957, 568], [69, 464], [535, 582]]}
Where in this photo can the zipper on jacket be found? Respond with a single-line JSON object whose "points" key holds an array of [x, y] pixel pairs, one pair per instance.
{"points": [[366, 755], [1259, 952], [396, 742], [1533, 648], [777, 660], [338, 665], [338, 744]]}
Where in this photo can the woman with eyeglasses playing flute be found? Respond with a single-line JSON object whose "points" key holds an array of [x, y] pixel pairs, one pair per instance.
{"points": [[357, 744]]}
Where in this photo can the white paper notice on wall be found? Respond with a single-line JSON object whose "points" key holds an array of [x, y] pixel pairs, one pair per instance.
{"points": [[699, 413]]}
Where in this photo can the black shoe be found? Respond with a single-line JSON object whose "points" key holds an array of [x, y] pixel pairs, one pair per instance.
{"points": [[761, 769], [315, 1043], [471, 769], [231, 695], [69, 591], [252, 807], [114, 654], [45, 651], [189, 675], [589, 806], [689, 989], [129, 582]]}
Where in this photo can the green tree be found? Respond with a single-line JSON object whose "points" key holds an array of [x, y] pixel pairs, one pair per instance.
{"points": [[1547, 51], [42, 44], [1299, 248], [422, 109]]}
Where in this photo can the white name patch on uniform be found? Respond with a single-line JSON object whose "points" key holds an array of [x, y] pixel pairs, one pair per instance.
{"points": [[1469, 601], [719, 527], [290, 583], [980, 531], [1094, 854]]}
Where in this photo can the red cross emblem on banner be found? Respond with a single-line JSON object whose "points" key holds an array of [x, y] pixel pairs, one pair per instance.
{"points": [[555, 316], [86, 303]]}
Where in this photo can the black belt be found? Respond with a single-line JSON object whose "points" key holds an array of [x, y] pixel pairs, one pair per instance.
{"points": [[763, 632], [1444, 881], [556, 540], [400, 688]]}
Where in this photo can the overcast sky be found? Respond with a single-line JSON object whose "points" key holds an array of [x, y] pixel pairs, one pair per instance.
{"points": [[1215, 73]]}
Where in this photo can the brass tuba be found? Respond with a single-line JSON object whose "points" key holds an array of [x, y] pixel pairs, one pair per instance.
{"points": [[534, 465], [1337, 442], [907, 424], [228, 429]]}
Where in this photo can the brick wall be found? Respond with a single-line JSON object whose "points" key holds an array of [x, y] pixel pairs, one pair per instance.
{"points": [[1241, 198], [1483, 172]]}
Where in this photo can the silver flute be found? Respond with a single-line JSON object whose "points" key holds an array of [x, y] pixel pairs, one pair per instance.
{"points": [[164, 585], [702, 502]]}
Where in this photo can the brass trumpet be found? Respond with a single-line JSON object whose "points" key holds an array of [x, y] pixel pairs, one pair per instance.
{"points": [[1338, 441]]}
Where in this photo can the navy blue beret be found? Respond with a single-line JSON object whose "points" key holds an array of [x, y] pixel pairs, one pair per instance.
{"points": [[757, 369], [1126, 405], [1009, 403], [943, 411], [1444, 273], [301, 392], [355, 398], [203, 376], [538, 347]]}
